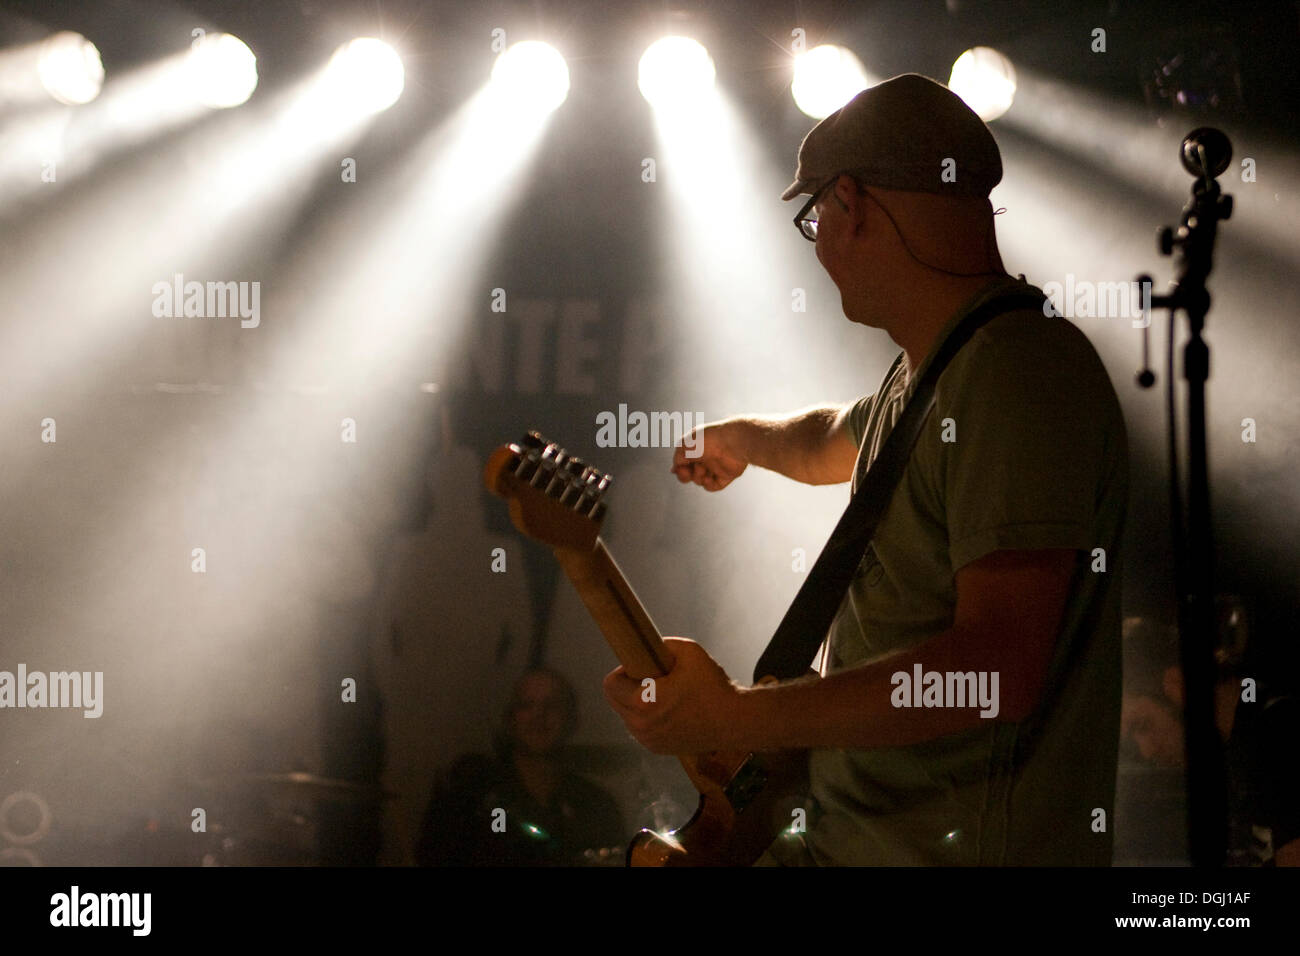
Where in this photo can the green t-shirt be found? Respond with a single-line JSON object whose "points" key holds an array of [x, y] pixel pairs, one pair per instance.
{"points": [[1035, 457]]}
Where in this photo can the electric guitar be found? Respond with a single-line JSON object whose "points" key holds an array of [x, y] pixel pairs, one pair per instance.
{"points": [[746, 799]]}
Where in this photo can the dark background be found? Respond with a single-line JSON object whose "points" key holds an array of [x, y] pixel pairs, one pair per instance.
{"points": [[174, 437]]}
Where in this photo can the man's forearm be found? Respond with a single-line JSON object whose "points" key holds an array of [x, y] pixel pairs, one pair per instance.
{"points": [[798, 445], [853, 709]]}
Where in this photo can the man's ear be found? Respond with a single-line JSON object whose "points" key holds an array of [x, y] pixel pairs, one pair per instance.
{"points": [[853, 200]]}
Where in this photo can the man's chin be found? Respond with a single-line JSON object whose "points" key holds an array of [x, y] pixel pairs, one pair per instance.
{"points": [[861, 317], [858, 312]]}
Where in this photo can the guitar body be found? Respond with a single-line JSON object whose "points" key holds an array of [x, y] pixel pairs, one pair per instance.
{"points": [[746, 800]]}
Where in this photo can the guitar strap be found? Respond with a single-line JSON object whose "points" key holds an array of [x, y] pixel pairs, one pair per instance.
{"points": [[793, 647]]}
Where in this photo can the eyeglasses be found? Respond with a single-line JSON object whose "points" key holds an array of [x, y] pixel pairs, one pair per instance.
{"points": [[807, 225]]}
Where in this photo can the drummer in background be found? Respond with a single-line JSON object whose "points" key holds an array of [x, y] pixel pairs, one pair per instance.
{"points": [[522, 806], [1259, 735]]}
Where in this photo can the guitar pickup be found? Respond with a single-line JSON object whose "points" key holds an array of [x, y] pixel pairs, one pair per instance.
{"points": [[746, 783]]}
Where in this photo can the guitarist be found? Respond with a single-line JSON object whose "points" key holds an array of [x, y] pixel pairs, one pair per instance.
{"points": [[997, 558]]}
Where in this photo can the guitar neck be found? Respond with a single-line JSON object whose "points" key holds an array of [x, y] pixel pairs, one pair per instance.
{"points": [[617, 611], [558, 499]]}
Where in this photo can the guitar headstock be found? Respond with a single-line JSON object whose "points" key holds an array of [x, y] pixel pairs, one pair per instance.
{"points": [[553, 496]]}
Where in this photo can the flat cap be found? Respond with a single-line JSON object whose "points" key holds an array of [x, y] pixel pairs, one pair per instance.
{"points": [[898, 135]]}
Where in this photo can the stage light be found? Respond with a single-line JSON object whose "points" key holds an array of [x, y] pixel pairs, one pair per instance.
{"points": [[223, 71], [532, 76], [70, 68], [675, 72], [825, 78], [986, 80], [365, 76]]}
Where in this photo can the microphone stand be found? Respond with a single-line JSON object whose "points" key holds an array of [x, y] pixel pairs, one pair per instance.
{"points": [[1205, 153]]}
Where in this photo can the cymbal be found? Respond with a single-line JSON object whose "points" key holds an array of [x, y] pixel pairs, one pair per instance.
{"points": [[296, 783]]}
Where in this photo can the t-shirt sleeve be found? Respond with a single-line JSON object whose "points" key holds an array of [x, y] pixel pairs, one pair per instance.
{"points": [[1028, 448], [856, 421]]}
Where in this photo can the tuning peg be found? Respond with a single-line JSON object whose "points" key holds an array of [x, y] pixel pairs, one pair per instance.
{"points": [[526, 460], [572, 490], [597, 491], [581, 488], [543, 466]]}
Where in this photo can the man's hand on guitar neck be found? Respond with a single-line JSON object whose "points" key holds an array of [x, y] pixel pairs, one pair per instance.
{"points": [[693, 709]]}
